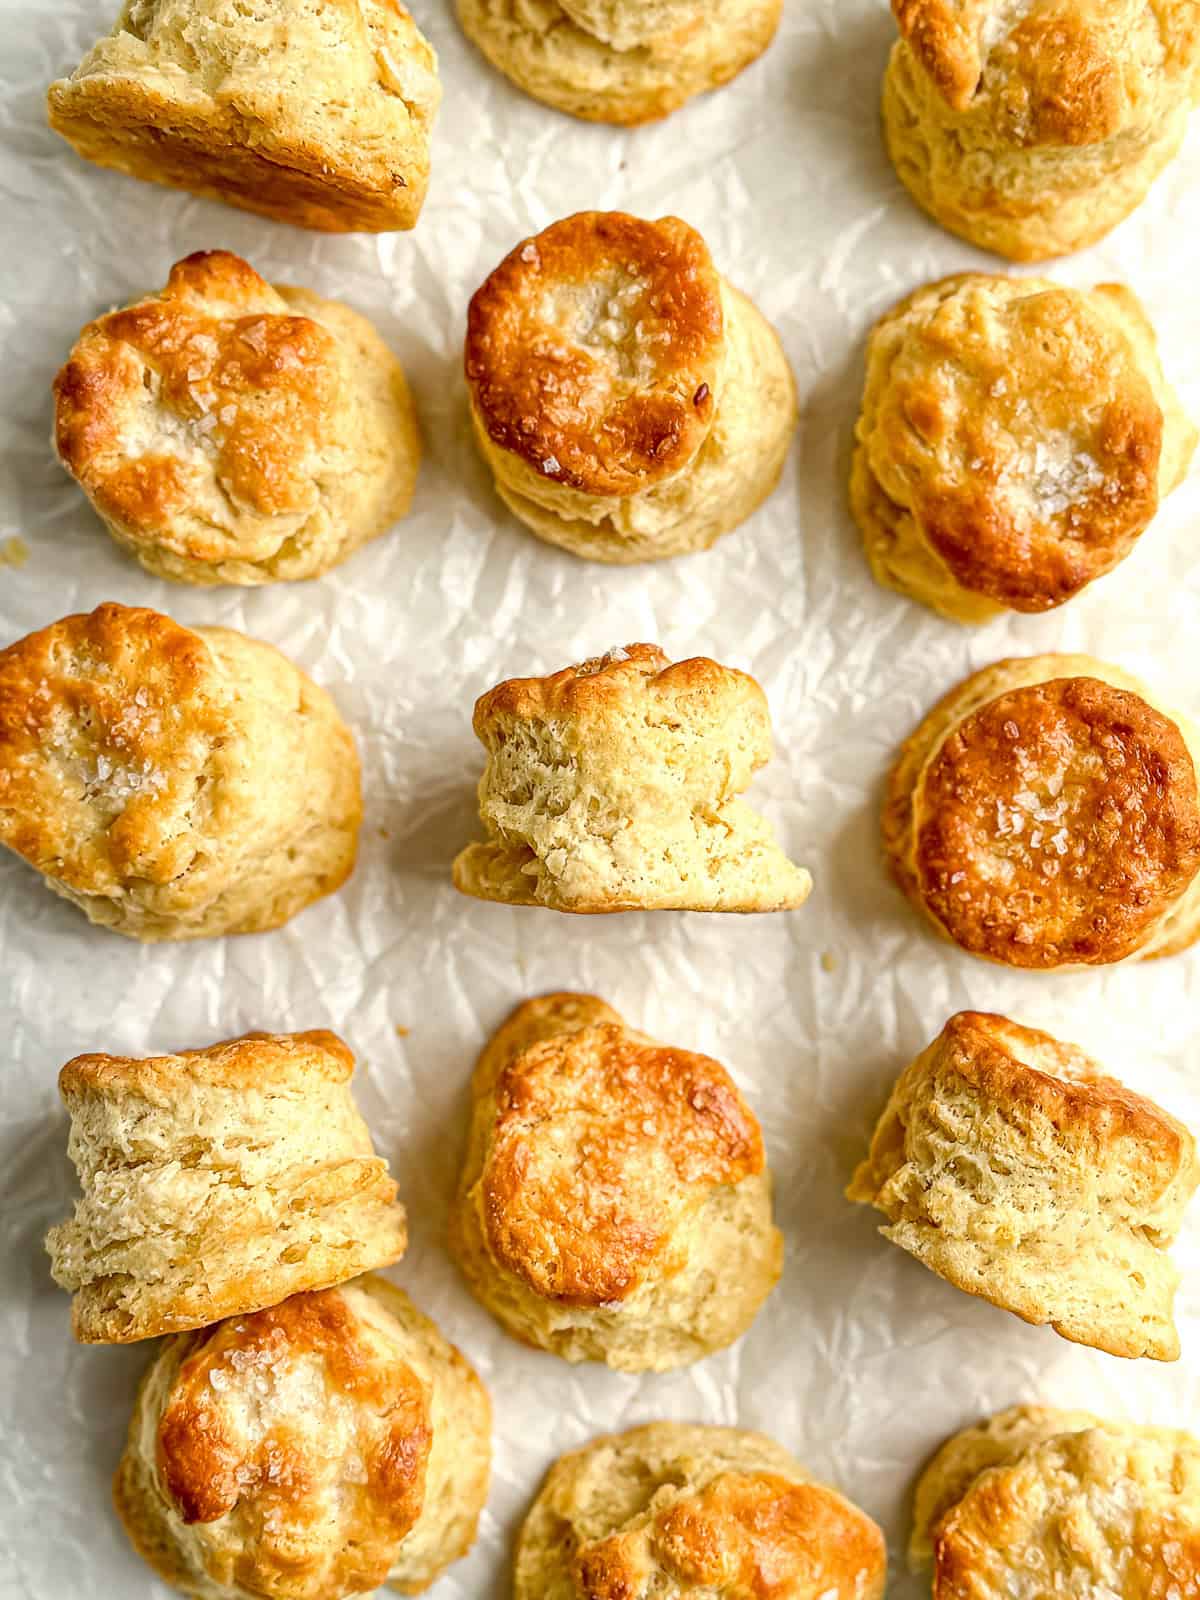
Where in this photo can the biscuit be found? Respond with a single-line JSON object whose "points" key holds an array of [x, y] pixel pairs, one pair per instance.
{"points": [[311, 1451], [615, 1204], [992, 1443], [173, 783], [1032, 129], [1045, 814], [613, 786], [619, 61], [216, 1182], [314, 114], [1010, 1165], [230, 432], [1095, 1508], [680, 1511], [630, 404], [1015, 439]]}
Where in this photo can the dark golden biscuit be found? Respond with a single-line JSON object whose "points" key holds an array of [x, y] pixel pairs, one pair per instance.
{"points": [[615, 1203], [1045, 814]]}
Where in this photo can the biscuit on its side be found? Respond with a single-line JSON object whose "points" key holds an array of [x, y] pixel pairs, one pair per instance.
{"points": [[615, 1203], [173, 783], [1045, 814], [310, 113], [216, 1182], [1010, 1165], [1033, 129], [312, 1450], [630, 404], [1016, 438], [613, 786], [230, 432], [619, 61], [684, 1510], [1039, 1502]]}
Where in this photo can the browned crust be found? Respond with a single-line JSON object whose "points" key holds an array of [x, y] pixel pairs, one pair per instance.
{"points": [[1093, 1108], [1061, 80], [560, 403], [207, 1474], [1084, 886], [1059, 1513], [252, 1060], [219, 344], [601, 686], [124, 670], [754, 1535], [599, 1135], [967, 389], [945, 42]]}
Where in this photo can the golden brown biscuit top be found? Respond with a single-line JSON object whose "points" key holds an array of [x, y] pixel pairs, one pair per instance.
{"points": [[210, 386], [1019, 425], [1028, 1070], [634, 683], [1056, 824], [304, 1432], [253, 1061], [1108, 1511], [595, 349], [603, 1143], [1053, 72], [109, 726], [743, 1536]]}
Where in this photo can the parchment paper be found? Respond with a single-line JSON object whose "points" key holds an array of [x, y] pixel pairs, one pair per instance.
{"points": [[862, 1360]]}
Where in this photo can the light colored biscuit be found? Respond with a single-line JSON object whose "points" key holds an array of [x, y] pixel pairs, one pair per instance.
{"points": [[1045, 814], [1015, 439], [216, 1182], [620, 61], [230, 432], [1092, 1509], [315, 112], [615, 1203], [680, 1511], [173, 783], [310, 1451], [1033, 127], [1010, 1165], [630, 404], [613, 786]]}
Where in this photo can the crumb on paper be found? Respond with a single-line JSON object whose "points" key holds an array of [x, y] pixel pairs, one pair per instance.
{"points": [[828, 961], [14, 552], [401, 1031], [385, 833]]}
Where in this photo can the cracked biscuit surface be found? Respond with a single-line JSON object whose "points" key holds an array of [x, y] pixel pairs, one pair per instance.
{"points": [[619, 61], [1045, 814], [1009, 1164], [307, 111], [309, 1451], [216, 1182], [672, 1511], [630, 404], [229, 431], [613, 786], [1033, 127], [615, 1203], [1015, 440], [149, 772], [1034, 1502]]}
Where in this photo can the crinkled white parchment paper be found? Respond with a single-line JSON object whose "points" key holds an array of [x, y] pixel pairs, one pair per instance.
{"points": [[862, 1361]]}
